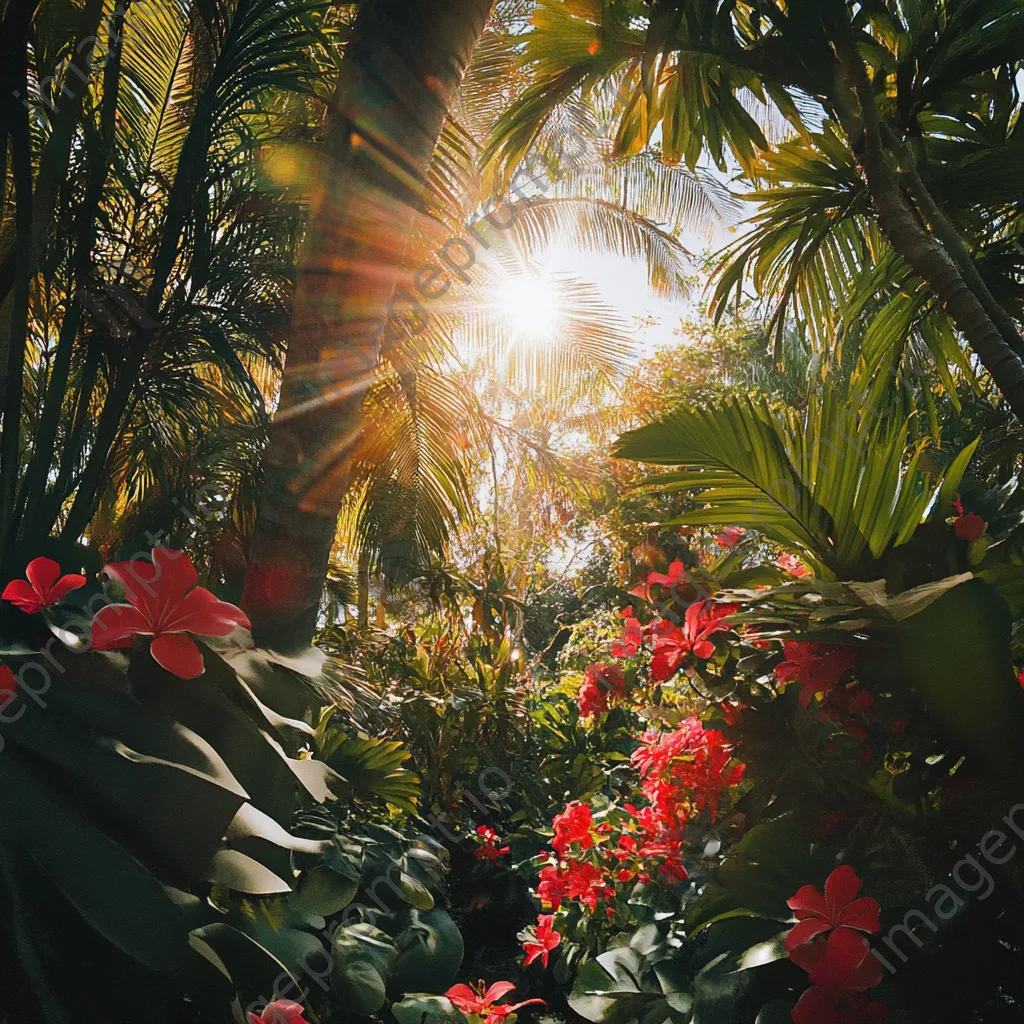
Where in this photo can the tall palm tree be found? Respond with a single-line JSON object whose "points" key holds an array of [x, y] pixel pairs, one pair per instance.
{"points": [[921, 97]]}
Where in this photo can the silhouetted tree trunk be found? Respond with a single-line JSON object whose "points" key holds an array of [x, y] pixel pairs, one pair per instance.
{"points": [[401, 70]]}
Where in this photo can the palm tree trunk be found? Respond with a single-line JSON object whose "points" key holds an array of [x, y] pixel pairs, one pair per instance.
{"points": [[402, 67], [928, 258]]}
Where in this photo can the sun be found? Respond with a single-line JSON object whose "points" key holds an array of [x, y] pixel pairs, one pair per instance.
{"points": [[531, 305]]}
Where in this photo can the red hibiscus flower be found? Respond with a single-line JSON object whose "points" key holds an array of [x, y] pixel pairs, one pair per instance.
{"points": [[601, 683], [573, 825], [632, 637], [816, 667], [488, 848], [165, 603], [539, 941], [821, 1005], [703, 618], [283, 1011], [44, 587], [676, 574], [480, 1002], [838, 909], [730, 536], [792, 565], [552, 888], [843, 961]]}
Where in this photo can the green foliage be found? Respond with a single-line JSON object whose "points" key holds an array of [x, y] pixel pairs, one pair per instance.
{"points": [[830, 481]]}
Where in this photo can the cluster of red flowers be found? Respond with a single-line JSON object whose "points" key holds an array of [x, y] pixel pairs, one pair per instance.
{"points": [[828, 942], [685, 771], [488, 848], [822, 672], [673, 643], [602, 684]]}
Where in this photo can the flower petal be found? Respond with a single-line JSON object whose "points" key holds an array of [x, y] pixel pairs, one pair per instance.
{"points": [[177, 652], [115, 625], [203, 613], [704, 649], [841, 888], [64, 586], [845, 952], [862, 914], [807, 901], [497, 990], [461, 994], [805, 931], [42, 573], [21, 594], [815, 1006]]}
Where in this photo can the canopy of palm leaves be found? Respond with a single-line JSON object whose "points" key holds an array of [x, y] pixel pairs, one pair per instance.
{"points": [[907, 115]]}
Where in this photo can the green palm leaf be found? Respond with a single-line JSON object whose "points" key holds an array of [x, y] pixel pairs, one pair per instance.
{"points": [[838, 482]]}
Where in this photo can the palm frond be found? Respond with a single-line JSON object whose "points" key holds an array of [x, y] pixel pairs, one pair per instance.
{"points": [[834, 481]]}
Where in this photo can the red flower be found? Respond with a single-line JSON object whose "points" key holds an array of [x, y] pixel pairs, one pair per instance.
{"points": [[969, 527], [7, 680], [657, 749], [552, 888], [573, 825], [821, 1005], [165, 604], [489, 849], [703, 618], [843, 961], [543, 939], [585, 882], [283, 1011], [44, 587], [480, 1002], [816, 667], [676, 572], [792, 565], [632, 638], [706, 774], [838, 909], [601, 683], [730, 536]]}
